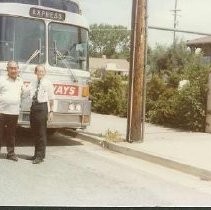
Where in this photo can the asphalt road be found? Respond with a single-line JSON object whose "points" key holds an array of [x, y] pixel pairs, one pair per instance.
{"points": [[78, 173]]}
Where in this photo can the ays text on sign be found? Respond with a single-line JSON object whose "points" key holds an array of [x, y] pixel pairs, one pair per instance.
{"points": [[62, 89], [66, 90]]}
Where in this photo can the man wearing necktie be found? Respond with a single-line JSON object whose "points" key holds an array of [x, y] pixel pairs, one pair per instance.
{"points": [[42, 93], [34, 98]]}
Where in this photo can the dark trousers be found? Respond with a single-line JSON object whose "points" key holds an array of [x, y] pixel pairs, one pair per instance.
{"points": [[7, 131], [38, 123]]}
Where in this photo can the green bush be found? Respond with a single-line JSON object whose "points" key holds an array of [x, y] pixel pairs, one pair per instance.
{"points": [[186, 108], [191, 102], [162, 110], [165, 104], [109, 96]]}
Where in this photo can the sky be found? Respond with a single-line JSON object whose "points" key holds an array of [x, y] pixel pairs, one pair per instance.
{"points": [[194, 15]]}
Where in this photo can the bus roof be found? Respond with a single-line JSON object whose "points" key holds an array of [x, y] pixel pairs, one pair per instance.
{"points": [[65, 5], [23, 10]]}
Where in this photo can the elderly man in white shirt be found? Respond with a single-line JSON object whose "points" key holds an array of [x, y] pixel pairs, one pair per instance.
{"points": [[11, 87], [42, 94]]}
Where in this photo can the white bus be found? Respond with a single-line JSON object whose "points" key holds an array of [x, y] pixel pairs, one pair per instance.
{"points": [[53, 33]]}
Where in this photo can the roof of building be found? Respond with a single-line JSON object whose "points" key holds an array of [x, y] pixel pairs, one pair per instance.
{"points": [[199, 41], [109, 64]]}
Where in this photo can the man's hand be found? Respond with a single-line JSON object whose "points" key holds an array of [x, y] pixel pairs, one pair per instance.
{"points": [[50, 116]]}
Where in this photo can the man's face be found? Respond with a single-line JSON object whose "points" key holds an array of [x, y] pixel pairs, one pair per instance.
{"points": [[12, 69], [40, 72]]}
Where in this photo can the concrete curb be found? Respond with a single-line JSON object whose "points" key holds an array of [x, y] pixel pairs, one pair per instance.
{"points": [[188, 169]]}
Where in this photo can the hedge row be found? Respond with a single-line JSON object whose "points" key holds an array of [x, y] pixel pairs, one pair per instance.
{"points": [[165, 104]]}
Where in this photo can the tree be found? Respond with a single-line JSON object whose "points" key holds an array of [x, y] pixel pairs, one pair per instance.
{"points": [[163, 60], [112, 41]]}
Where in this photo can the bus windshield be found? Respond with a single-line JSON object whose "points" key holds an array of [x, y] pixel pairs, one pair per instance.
{"points": [[68, 44], [20, 38]]}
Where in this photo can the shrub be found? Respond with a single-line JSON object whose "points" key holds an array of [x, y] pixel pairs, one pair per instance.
{"points": [[191, 102], [185, 109], [165, 104], [108, 95], [162, 111]]}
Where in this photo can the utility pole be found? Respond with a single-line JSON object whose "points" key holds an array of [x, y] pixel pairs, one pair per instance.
{"points": [[131, 74], [175, 21], [138, 63]]}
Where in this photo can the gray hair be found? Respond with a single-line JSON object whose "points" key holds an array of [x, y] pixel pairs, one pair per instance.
{"points": [[39, 65], [12, 61]]}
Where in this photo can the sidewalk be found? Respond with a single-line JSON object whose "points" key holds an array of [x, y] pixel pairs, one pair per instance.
{"points": [[188, 152]]}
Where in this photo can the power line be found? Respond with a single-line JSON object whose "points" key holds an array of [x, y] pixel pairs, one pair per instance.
{"points": [[179, 30], [160, 28]]}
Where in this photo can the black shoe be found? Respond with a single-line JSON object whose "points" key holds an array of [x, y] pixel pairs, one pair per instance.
{"points": [[31, 158], [37, 160], [12, 157]]}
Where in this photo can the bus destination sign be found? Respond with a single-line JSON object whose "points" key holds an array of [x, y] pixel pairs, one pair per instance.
{"points": [[48, 14]]}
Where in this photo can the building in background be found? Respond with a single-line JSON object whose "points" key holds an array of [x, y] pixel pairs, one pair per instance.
{"points": [[100, 66], [203, 43]]}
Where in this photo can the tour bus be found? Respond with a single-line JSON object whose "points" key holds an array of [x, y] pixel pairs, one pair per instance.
{"points": [[53, 33]]}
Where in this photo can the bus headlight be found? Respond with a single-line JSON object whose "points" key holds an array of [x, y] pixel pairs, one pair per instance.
{"points": [[74, 107], [71, 108], [78, 107]]}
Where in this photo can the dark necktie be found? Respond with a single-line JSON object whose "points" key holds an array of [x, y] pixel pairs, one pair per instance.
{"points": [[36, 92]]}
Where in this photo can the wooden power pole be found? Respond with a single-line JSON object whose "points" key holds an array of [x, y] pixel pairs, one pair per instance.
{"points": [[131, 74], [138, 62]]}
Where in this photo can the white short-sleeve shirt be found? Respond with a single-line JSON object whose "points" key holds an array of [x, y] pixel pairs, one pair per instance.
{"points": [[46, 90], [10, 95]]}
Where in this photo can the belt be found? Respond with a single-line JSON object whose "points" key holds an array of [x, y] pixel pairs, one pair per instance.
{"points": [[37, 103]]}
